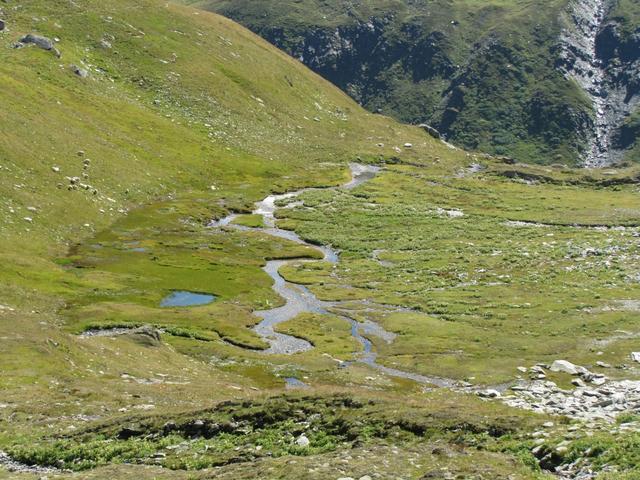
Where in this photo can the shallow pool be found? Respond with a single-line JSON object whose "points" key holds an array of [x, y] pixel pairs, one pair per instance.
{"points": [[187, 299], [292, 382]]}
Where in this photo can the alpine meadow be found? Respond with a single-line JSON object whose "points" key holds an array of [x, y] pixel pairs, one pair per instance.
{"points": [[405, 246]]}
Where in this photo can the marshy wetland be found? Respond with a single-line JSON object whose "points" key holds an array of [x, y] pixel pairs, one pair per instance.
{"points": [[376, 284]]}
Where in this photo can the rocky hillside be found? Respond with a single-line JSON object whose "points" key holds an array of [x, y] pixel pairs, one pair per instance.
{"points": [[549, 82]]}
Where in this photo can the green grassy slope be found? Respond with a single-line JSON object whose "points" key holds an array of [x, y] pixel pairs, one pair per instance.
{"points": [[181, 100], [178, 103]]}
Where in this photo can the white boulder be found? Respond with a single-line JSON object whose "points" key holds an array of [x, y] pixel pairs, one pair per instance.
{"points": [[564, 366], [303, 441]]}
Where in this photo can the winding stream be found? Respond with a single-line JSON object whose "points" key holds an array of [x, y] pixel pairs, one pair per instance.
{"points": [[299, 299]]}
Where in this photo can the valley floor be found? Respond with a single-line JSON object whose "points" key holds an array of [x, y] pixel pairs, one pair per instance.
{"points": [[451, 276]]}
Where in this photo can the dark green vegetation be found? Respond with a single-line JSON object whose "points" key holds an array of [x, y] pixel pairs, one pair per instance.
{"points": [[243, 432], [290, 436], [486, 74], [107, 183]]}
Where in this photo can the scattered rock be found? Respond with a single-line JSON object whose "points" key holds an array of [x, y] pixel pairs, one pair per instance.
{"points": [[55, 169], [430, 130], [635, 356], [39, 41], [489, 393], [81, 72], [146, 335], [578, 383], [2, 25], [408, 145], [303, 441], [15, 466], [565, 367], [603, 404], [538, 451], [453, 213]]}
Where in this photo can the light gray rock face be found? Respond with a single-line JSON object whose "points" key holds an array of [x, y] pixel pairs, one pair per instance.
{"points": [[594, 54]]}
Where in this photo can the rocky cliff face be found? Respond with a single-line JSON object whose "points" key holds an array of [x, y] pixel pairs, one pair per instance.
{"points": [[606, 66], [357, 57]]}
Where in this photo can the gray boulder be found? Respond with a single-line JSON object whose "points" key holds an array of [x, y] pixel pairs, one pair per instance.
{"points": [[146, 336], [2, 25], [303, 441], [81, 72], [39, 41], [430, 130], [566, 367]]}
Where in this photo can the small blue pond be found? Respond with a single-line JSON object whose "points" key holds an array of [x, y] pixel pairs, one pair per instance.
{"points": [[187, 299], [292, 382]]}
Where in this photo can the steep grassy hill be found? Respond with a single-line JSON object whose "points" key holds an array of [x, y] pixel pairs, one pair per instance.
{"points": [[139, 123], [175, 100], [488, 75]]}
